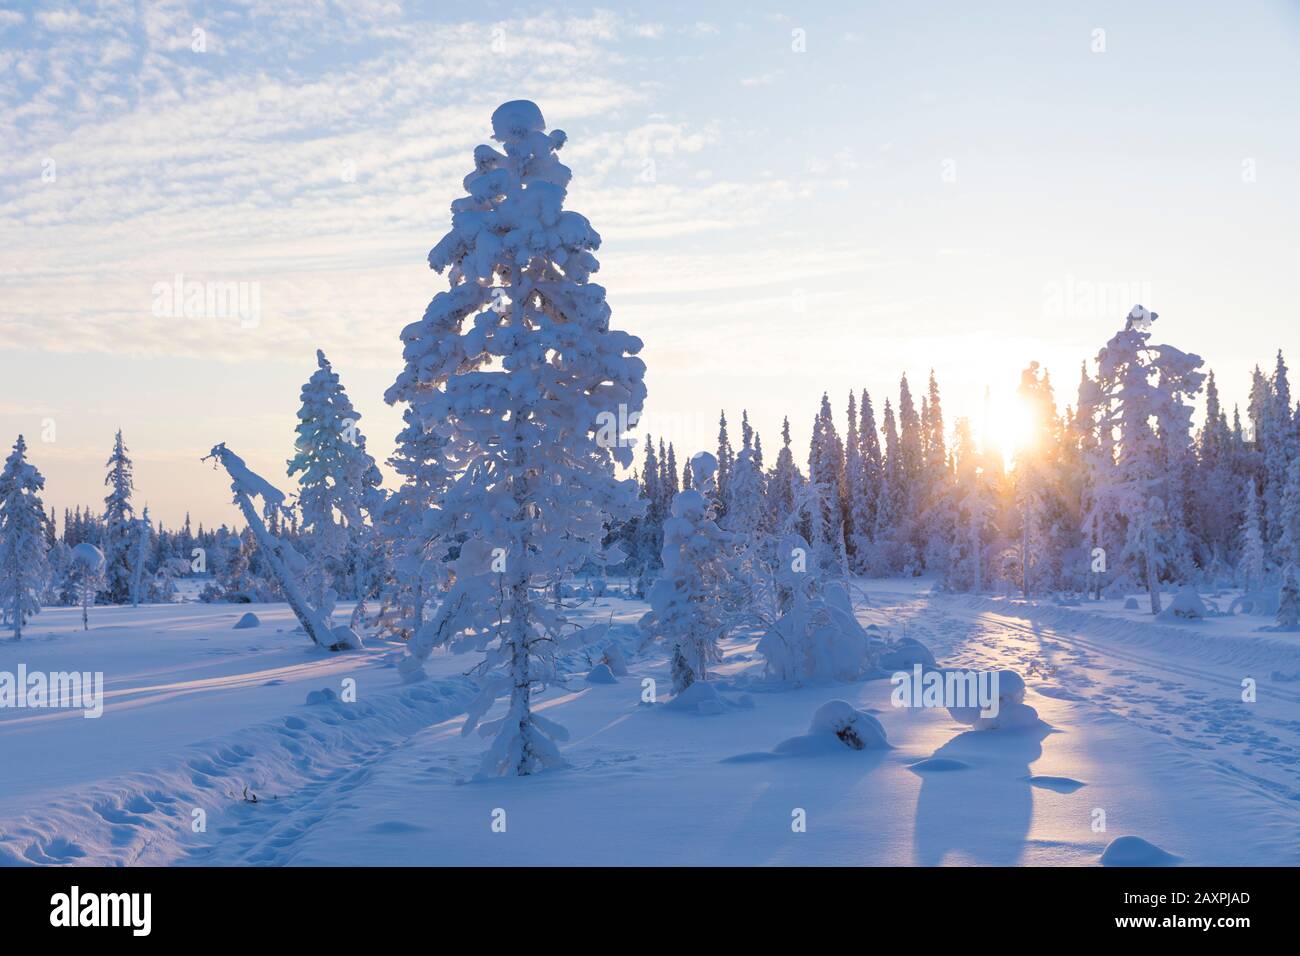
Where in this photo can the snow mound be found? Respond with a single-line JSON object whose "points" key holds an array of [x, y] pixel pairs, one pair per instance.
{"points": [[837, 724], [1135, 851], [1010, 717], [939, 765], [344, 636], [1013, 713], [613, 659], [1059, 784], [904, 654], [1186, 606], [323, 696], [700, 698], [601, 674], [248, 620], [1131, 604]]}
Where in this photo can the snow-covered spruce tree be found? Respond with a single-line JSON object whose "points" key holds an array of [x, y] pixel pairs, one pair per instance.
{"points": [[119, 534], [688, 604], [338, 485], [1142, 403], [1288, 542], [140, 555], [24, 568], [726, 458], [748, 520], [407, 524], [517, 367], [783, 485], [1252, 562], [888, 552], [1288, 604]]}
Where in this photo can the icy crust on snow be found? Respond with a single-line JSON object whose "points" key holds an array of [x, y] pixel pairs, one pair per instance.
{"points": [[145, 817]]}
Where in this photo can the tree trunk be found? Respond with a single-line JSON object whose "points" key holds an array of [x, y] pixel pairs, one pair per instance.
{"points": [[310, 620], [1153, 586]]}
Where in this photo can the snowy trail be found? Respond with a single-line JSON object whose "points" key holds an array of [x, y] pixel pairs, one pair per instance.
{"points": [[1196, 707]]}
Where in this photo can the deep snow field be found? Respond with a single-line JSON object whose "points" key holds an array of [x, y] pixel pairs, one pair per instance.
{"points": [[1143, 722]]}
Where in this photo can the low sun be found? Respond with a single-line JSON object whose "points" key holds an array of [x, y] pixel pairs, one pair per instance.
{"points": [[1011, 426]]}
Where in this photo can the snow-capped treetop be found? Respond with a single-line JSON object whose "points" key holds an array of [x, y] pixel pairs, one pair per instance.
{"points": [[19, 474], [89, 558], [1140, 318], [337, 474], [703, 468], [513, 121]]}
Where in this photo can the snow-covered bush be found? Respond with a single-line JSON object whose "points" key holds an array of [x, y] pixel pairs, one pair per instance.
{"points": [[835, 725], [1186, 605], [817, 637], [1012, 711], [904, 654], [688, 609]]}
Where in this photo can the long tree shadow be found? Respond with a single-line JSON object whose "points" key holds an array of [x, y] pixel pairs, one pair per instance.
{"points": [[975, 797]]}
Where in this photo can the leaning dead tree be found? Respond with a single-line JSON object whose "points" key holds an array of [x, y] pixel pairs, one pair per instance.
{"points": [[247, 484]]}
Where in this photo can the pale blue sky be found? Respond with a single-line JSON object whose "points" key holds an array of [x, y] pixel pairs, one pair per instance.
{"points": [[926, 185]]}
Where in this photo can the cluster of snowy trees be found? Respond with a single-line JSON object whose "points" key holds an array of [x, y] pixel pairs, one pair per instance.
{"points": [[1120, 469], [113, 556], [517, 394]]}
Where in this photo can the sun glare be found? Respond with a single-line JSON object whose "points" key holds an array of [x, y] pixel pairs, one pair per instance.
{"points": [[1010, 427]]}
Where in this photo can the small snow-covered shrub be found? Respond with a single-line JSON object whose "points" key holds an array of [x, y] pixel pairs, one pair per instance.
{"points": [[904, 654], [613, 659], [1012, 712], [601, 674], [699, 697], [818, 637], [856, 729], [1186, 605]]}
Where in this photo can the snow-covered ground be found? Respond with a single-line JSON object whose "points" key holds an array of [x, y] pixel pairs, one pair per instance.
{"points": [[1146, 724]]}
